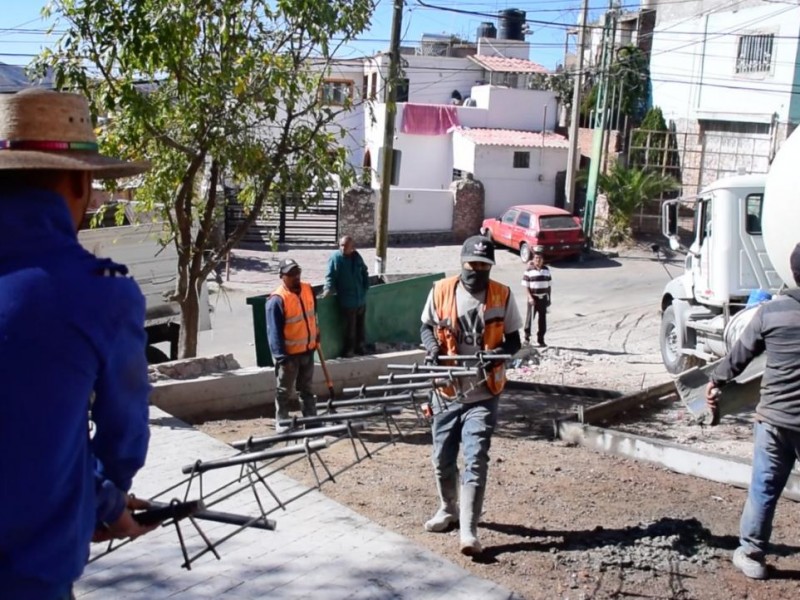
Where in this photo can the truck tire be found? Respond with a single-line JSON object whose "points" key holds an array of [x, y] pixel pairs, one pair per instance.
{"points": [[671, 355], [524, 252]]}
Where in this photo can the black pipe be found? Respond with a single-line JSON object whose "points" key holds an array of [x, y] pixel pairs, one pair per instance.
{"points": [[241, 459], [255, 443], [359, 414]]}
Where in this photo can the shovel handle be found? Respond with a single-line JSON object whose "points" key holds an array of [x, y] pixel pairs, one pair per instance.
{"points": [[328, 381]]}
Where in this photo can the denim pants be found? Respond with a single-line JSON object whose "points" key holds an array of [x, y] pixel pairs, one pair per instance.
{"points": [[470, 425], [775, 450], [295, 372]]}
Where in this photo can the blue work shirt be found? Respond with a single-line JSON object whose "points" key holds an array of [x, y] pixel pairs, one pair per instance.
{"points": [[348, 277], [70, 325]]}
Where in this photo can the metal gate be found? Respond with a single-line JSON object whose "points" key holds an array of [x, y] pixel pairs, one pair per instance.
{"points": [[290, 222]]}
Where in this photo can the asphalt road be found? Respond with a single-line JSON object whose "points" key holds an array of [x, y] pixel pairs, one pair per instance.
{"points": [[583, 291]]}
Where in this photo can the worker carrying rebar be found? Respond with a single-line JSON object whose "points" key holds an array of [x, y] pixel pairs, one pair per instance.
{"points": [[72, 345], [468, 314]]}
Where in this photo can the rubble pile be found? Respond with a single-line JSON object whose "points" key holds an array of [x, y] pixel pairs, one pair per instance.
{"points": [[192, 368], [666, 545]]}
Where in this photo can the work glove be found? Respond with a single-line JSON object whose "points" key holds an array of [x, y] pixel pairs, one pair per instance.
{"points": [[432, 358], [325, 293]]}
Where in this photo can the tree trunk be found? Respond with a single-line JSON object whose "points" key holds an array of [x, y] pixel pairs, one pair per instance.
{"points": [[190, 316]]}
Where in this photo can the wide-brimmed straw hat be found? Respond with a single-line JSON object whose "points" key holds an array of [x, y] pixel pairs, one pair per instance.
{"points": [[43, 129]]}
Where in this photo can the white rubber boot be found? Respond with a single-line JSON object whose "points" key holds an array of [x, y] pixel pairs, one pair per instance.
{"points": [[471, 505], [447, 514]]}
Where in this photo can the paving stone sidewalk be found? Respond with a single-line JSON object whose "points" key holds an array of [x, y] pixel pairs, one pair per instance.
{"points": [[320, 548]]}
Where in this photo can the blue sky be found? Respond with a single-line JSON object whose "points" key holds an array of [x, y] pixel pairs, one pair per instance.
{"points": [[547, 39]]}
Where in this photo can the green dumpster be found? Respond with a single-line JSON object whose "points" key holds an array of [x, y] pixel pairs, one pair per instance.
{"points": [[394, 305]]}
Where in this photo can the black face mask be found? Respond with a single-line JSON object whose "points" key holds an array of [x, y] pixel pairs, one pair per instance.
{"points": [[474, 281]]}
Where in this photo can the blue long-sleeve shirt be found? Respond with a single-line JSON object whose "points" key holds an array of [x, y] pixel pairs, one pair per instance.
{"points": [[71, 329]]}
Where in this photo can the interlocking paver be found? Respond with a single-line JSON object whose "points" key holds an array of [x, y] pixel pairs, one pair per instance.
{"points": [[320, 548]]}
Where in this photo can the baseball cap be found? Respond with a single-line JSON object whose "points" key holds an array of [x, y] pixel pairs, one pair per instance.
{"points": [[478, 249], [286, 265], [538, 250]]}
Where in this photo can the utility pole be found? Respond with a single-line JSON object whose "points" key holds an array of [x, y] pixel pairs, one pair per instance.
{"points": [[609, 30], [382, 236], [574, 125]]}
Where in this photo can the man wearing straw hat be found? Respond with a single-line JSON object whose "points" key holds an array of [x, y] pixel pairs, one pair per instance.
{"points": [[72, 345]]}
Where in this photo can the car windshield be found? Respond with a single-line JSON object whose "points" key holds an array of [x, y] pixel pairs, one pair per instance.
{"points": [[557, 222]]}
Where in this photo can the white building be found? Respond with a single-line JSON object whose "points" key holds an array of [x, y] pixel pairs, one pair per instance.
{"points": [[461, 108], [727, 79]]}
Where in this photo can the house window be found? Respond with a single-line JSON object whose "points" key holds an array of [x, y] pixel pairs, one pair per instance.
{"points": [[754, 54], [365, 88], [458, 174], [373, 89], [402, 90], [522, 160], [336, 92]]}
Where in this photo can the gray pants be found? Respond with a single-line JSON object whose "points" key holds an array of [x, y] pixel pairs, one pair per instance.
{"points": [[294, 375]]}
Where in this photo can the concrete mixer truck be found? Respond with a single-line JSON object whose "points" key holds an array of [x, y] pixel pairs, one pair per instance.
{"points": [[745, 228]]}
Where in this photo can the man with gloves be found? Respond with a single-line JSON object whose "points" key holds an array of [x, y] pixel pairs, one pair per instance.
{"points": [[468, 314]]}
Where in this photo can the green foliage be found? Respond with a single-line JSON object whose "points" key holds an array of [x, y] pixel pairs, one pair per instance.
{"points": [[627, 189], [629, 77], [210, 91], [650, 143], [559, 82]]}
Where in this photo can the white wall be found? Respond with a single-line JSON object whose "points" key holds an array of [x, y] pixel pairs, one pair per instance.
{"points": [[413, 209], [509, 108], [506, 186], [693, 78], [463, 154], [432, 79], [504, 48]]}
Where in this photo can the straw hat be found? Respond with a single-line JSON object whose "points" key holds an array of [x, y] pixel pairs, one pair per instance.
{"points": [[43, 129]]}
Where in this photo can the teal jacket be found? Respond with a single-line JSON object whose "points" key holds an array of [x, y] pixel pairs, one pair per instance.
{"points": [[348, 277]]}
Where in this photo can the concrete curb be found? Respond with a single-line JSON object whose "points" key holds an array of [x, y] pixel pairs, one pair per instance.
{"points": [[224, 395]]}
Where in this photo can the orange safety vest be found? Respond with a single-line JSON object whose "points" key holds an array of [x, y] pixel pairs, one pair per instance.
{"points": [[494, 314], [300, 326]]}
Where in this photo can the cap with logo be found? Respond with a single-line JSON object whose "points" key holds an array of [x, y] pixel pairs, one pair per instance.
{"points": [[287, 265], [478, 249]]}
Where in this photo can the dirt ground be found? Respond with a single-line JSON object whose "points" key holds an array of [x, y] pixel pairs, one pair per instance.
{"points": [[564, 522], [559, 521]]}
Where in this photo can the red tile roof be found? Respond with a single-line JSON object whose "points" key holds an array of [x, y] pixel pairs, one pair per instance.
{"points": [[510, 137], [498, 64]]}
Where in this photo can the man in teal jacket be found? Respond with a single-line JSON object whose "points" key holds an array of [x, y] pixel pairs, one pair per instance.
{"points": [[348, 277]]}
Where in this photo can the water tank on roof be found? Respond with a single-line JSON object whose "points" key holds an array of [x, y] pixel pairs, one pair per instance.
{"points": [[512, 24], [487, 30]]}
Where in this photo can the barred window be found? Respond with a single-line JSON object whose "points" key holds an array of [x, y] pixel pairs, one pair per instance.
{"points": [[754, 54], [522, 160], [336, 92]]}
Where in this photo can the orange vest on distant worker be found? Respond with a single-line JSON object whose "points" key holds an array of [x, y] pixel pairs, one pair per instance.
{"points": [[300, 327], [494, 314]]}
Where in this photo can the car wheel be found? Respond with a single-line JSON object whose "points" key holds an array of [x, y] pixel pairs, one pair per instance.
{"points": [[671, 355], [524, 252]]}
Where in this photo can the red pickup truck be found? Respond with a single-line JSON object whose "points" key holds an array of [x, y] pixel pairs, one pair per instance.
{"points": [[526, 226]]}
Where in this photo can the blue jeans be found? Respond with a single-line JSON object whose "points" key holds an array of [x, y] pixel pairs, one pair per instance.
{"points": [[470, 425], [775, 450]]}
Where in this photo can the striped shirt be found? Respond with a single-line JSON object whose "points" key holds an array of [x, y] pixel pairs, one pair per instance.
{"points": [[537, 281]]}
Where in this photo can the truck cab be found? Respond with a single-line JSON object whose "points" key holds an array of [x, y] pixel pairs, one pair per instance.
{"points": [[726, 260]]}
